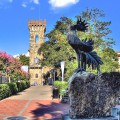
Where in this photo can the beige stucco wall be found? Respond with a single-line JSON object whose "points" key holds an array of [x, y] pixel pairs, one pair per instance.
{"points": [[33, 78]]}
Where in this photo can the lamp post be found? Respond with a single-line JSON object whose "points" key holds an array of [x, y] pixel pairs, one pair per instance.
{"points": [[62, 69], [53, 76], [41, 74]]}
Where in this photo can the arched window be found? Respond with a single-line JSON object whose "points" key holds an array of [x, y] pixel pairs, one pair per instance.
{"points": [[36, 39], [36, 75], [33, 29], [36, 60]]}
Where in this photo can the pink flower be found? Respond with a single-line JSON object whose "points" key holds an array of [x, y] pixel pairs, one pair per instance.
{"points": [[6, 57]]}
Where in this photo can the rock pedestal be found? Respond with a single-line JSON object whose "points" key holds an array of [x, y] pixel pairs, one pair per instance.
{"points": [[93, 96]]}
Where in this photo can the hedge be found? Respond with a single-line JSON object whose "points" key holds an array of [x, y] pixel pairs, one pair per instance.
{"points": [[4, 91], [9, 89], [61, 86], [22, 85], [13, 88]]}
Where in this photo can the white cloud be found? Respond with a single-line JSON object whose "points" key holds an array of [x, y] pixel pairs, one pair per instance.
{"points": [[27, 2], [11, 1], [24, 5], [27, 54], [17, 56], [35, 1], [62, 3]]}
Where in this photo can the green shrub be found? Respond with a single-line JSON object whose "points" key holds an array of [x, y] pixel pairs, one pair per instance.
{"points": [[61, 86], [19, 86], [4, 91], [23, 85], [13, 88], [28, 84]]}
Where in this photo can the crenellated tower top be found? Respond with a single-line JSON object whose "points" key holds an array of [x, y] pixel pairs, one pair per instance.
{"points": [[36, 23]]}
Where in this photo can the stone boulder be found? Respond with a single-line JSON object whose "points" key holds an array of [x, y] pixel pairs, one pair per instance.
{"points": [[93, 96]]}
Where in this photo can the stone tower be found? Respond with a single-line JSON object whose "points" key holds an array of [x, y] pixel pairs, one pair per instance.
{"points": [[37, 30]]}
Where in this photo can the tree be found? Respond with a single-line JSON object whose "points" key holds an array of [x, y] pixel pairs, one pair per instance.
{"points": [[99, 31], [57, 49], [11, 67], [24, 59], [97, 28], [110, 60], [5, 61], [57, 46]]}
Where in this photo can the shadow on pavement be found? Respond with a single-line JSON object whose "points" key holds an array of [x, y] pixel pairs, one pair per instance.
{"points": [[52, 111]]}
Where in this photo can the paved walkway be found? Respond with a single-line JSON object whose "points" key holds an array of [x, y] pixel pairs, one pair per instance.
{"points": [[35, 103], [35, 93]]}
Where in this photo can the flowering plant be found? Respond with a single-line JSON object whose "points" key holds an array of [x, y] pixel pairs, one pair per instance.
{"points": [[11, 66]]}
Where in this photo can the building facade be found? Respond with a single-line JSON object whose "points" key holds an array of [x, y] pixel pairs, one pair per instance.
{"points": [[37, 30]]}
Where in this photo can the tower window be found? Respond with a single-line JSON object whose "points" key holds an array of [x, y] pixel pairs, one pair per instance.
{"points": [[33, 28], [36, 75], [36, 39], [36, 60]]}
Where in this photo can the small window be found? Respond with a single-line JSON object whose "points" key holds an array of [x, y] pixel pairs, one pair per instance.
{"points": [[36, 75], [33, 28], [36, 39], [36, 60]]}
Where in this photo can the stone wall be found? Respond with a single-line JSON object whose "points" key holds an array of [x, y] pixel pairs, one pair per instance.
{"points": [[93, 96], [36, 29]]}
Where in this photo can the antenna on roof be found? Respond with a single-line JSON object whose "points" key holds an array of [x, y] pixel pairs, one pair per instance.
{"points": [[39, 12]]}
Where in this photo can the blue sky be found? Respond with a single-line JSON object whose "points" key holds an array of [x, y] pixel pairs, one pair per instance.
{"points": [[14, 15]]}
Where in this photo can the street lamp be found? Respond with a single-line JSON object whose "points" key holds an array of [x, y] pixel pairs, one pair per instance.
{"points": [[41, 72], [53, 76], [62, 69]]}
